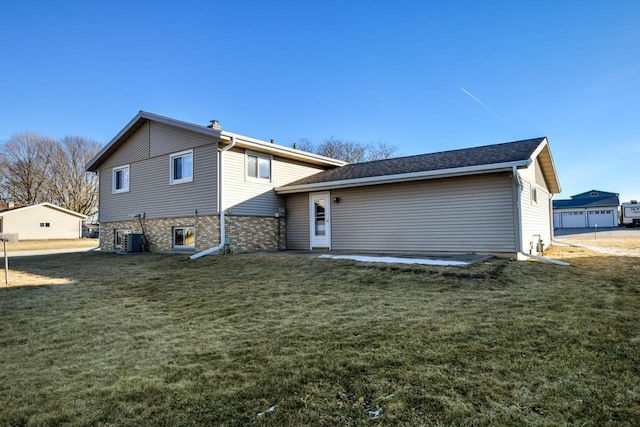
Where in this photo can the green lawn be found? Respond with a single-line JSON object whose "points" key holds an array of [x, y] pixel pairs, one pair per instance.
{"points": [[148, 339]]}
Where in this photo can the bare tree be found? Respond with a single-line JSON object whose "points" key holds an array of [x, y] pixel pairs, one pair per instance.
{"points": [[71, 187], [380, 150], [36, 169], [25, 167], [349, 151], [305, 144]]}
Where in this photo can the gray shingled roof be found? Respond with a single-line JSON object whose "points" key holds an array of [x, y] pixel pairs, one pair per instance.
{"points": [[508, 152]]}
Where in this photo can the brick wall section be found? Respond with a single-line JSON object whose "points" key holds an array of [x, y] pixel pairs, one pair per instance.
{"points": [[246, 233], [250, 233]]}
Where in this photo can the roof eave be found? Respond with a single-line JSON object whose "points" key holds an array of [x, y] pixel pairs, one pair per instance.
{"points": [[281, 150], [548, 166], [222, 136], [120, 138], [405, 177]]}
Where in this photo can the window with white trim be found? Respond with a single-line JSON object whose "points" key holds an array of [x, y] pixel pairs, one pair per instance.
{"points": [[184, 237], [117, 238], [45, 224], [534, 195], [181, 167], [258, 167], [121, 179]]}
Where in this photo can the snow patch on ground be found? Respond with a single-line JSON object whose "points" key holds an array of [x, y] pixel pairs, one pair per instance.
{"points": [[395, 260]]}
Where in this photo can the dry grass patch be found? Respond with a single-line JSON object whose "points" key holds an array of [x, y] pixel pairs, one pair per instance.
{"points": [[33, 245], [622, 246], [160, 340]]}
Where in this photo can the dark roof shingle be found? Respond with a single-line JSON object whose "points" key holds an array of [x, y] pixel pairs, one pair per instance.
{"points": [[486, 155]]}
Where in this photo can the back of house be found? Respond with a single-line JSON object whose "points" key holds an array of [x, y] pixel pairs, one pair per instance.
{"points": [[183, 186]]}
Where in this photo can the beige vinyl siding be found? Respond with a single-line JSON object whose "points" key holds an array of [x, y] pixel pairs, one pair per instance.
{"points": [[460, 215], [151, 193], [468, 214], [536, 216], [135, 150], [167, 139], [298, 221], [539, 176], [250, 197], [533, 173]]}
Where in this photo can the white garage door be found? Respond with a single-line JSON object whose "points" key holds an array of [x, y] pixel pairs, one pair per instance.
{"points": [[602, 218], [573, 219]]}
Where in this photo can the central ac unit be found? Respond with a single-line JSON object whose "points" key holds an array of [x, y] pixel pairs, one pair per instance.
{"points": [[132, 242]]}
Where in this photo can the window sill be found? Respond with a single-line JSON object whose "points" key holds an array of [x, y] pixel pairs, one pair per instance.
{"points": [[258, 180]]}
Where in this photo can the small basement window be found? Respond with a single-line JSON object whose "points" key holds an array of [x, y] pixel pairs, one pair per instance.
{"points": [[117, 238], [184, 237]]}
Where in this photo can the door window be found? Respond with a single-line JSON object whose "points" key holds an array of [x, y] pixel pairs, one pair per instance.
{"points": [[320, 220]]}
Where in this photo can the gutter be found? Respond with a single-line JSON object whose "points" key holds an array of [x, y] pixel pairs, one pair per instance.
{"points": [[518, 210], [280, 150], [222, 208]]}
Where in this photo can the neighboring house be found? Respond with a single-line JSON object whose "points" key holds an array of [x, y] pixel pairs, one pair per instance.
{"points": [[589, 209], [195, 187], [199, 188], [43, 221], [90, 231]]}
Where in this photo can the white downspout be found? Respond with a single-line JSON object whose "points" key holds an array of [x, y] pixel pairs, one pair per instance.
{"points": [[519, 214], [222, 206], [516, 177], [549, 260]]}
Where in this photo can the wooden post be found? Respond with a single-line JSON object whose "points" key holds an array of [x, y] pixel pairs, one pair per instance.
{"points": [[7, 237], [6, 263]]}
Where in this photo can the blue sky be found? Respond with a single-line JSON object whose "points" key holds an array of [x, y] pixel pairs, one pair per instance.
{"points": [[424, 76]]}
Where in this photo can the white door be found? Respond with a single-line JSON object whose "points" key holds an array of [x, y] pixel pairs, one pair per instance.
{"points": [[320, 220]]}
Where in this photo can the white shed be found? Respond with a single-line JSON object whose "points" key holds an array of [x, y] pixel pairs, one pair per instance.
{"points": [[43, 221]]}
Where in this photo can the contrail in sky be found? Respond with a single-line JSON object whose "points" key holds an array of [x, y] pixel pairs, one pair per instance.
{"points": [[487, 108]]}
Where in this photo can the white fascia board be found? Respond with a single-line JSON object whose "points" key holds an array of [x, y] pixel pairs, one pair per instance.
{"points": [[281, 150], [540, 147], [545, 144], [179, 123], [99, 158], [413, 176]]}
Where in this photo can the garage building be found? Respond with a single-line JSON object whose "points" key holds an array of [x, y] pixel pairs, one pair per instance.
{"points": [[587, 210]]}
